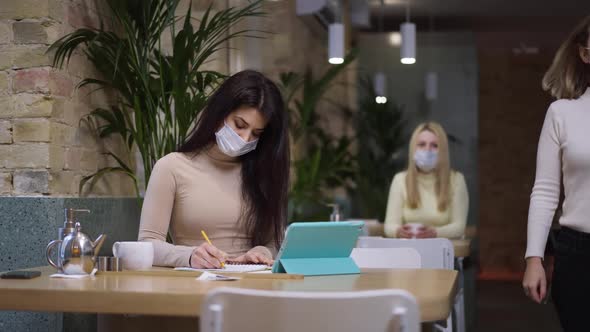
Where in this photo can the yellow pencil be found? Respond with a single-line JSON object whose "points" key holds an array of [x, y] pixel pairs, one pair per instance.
{"points": [[209, 241]]}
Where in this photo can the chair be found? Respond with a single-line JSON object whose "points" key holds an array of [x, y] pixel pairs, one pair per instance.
{"points": [[391, 258], [251, 310], [435, 253]]}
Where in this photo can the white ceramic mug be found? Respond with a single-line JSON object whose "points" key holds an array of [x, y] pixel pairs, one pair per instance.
{"points": [[414, 227], [134, 255]]}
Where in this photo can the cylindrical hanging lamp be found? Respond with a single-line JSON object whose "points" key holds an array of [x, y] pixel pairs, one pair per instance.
{"points": [[431, 86], [408, 32], [408, 47], [380, 86], [336, 43]]}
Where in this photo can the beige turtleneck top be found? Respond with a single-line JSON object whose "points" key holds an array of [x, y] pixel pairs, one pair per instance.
{"points": [[449, 223], [187, 194]]}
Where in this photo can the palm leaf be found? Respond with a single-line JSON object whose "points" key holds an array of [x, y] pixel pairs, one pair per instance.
{"points": [[380, 130], [95, 177], [160, 94]]}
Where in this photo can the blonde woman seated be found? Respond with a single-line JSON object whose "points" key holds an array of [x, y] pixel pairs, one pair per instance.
{"points": [[429, 193]]}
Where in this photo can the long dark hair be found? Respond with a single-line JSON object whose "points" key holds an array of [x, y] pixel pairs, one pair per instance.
{"points": [[265, 171]]}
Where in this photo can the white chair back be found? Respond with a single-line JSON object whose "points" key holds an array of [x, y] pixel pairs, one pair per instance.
{"points": [[434, 253], [250, 310], [390, 258]]}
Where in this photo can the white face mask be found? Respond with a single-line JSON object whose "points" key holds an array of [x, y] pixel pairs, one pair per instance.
{"points": [[231, 143], [426, 160]]}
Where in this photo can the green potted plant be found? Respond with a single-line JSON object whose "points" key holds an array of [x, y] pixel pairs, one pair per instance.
{"points": [[160, 91], [381, 136], [321, 161]]}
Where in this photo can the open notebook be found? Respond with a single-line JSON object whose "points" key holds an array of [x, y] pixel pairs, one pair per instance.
{"points": [[231, 267]]}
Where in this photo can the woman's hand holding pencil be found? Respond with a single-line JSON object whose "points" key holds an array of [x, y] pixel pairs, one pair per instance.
{"points": [[207, 256]]}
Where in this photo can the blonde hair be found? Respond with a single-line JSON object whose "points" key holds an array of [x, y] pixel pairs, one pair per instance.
{"points": [[568, 77], [442, 170]]}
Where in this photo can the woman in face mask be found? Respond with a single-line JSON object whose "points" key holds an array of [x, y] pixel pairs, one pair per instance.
{"points": [[230, 179], [428, 199]]}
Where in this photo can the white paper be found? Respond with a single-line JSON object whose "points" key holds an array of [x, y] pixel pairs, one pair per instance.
{"points": [[74, 276], [231, 268], [214, 277], [70, 276]]}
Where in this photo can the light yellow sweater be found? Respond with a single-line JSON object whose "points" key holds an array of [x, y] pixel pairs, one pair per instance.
{"points": [[449, 223]]}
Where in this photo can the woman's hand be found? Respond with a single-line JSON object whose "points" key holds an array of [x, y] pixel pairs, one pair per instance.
{"points": [[426, 232], [256, 256], [405, 232], [207, 256], [535, 281]]}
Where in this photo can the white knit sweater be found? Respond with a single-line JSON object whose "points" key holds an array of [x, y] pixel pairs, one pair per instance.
{"points": [[564, 150]]}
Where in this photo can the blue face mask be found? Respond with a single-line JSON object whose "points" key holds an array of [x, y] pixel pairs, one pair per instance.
{"points": [[426, 160], [231, 144]]}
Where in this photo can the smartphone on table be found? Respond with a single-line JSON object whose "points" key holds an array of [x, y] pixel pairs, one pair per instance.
{"points": [[20, 274]]}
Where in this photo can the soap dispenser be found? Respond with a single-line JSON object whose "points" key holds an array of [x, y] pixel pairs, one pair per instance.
{"points": [[335, 215], [69, 222]]}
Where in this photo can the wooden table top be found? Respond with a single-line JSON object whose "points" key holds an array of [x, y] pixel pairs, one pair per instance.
{"points": [[111, 293]]}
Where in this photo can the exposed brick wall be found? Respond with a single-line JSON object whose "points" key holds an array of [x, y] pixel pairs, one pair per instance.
{"points": [[43, 149], [512, 107]]}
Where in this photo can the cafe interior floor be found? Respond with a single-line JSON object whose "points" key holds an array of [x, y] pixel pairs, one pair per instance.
{"points": [[502, 306]]}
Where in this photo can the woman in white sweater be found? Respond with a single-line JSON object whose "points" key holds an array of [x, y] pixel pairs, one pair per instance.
{"points": [[429, 192], [564, 155]]}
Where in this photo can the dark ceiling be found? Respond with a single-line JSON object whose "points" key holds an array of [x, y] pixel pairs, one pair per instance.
{"points": [[468, 14]]}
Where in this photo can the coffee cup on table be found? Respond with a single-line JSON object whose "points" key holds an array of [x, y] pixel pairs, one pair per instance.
{"points": [[415, 228], [134, 255]]}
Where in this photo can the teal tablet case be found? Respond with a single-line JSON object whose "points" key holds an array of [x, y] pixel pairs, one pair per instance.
{"points": [[318, 248]]}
